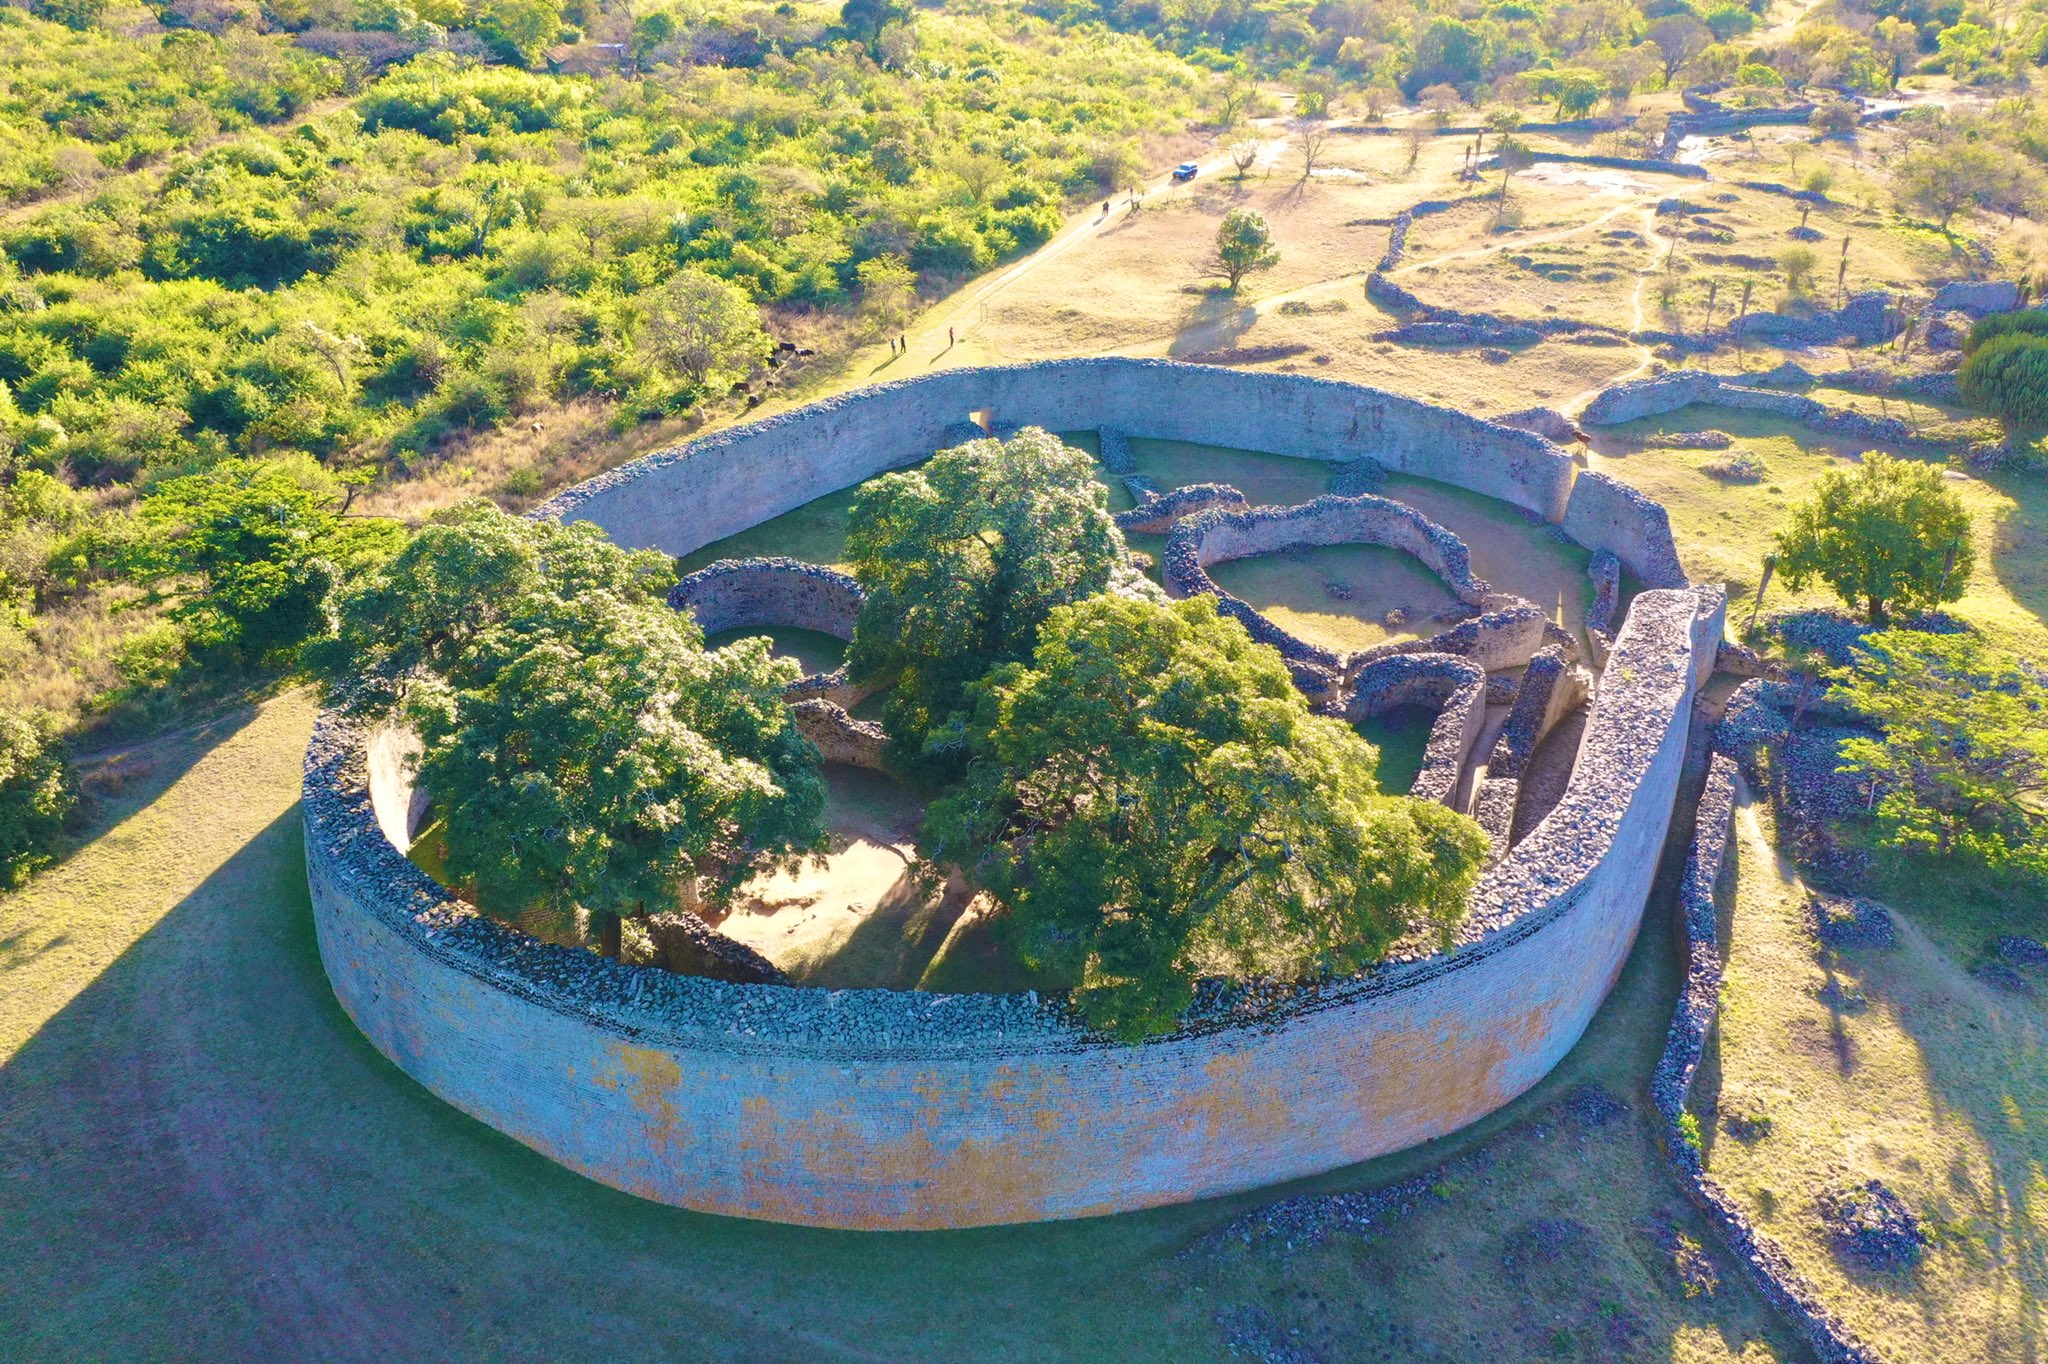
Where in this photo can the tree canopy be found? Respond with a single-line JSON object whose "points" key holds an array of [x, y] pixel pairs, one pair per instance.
{"points": [[1151, 800], [248, 551], [2006, 373], [589, 756], [963, 558], [1244, 243], [1962, 765], [1888, 537]]}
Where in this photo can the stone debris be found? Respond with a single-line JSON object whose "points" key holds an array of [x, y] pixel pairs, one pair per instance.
{"points": [[1871, 1226], [1849, 921]]}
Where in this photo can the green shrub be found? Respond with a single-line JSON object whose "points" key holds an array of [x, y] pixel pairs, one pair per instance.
{"points": [[36, 793], [2025, 322], [2007, 376]]}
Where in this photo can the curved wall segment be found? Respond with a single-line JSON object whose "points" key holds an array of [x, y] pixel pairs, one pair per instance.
{"points": [[887, 1109]]}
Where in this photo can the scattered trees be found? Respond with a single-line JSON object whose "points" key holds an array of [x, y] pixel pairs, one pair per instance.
{"points": [[1891, 536], [1309, 140], [1962, 766], [1678, 39], [704, 329], [1939, 179], [963, 558], [1798, 263], [1244, 243], [1151, 800]]}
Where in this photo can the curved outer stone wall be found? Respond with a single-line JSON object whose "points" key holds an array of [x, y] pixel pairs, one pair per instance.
{"points": [[866, 1108], [884, 1109]]}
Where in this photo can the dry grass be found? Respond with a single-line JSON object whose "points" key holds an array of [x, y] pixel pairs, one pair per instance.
{"points": [[1935, 1085]]}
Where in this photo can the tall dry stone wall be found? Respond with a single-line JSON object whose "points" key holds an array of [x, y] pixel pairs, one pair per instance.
{"points": [[871, 1108], [888, 1109], [682, 499]]}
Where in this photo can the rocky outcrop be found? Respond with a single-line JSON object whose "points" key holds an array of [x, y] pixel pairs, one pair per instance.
{"points": [[1977, 297]]}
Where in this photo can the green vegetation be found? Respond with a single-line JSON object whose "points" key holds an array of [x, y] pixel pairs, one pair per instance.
{"points": [[1151, 800], [249, 550], [963, 559], [589, 756], [1889, 536], [2006, 373], [1244, 243], [1962, 767], [1899, 1065], [35, 794]]}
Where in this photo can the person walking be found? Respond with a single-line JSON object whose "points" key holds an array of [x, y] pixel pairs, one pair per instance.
{"points": [[949, 338]]}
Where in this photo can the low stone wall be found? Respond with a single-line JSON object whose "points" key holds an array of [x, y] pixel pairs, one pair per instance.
{"points": [[1455, 686], [1684, 388], [840, 738], [1116, 454], [1551, 689], [759, 594], [1504, 638], [1161, 513], [1682, 169], [874, 1108], [681, 499], [1692, 1023], [1218, 536]]}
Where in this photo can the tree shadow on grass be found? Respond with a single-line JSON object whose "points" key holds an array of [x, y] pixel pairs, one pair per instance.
{"points": [[1216, 321]]}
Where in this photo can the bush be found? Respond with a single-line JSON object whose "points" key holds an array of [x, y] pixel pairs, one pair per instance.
{"points": [[2008, 377], [35, 793], [2026, 322]]}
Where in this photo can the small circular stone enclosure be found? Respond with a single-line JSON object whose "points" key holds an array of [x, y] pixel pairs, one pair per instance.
{"points": [[887, 1109]]}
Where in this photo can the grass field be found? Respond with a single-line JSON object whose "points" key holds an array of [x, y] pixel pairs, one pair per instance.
{"points": [[205, 1159], [1926, 1077], [1723, 529]]}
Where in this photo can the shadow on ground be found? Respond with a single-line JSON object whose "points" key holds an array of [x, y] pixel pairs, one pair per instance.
{"points": [[203, 1158]]}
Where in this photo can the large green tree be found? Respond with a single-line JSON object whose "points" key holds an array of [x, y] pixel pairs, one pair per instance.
{"points": [[963, 558], [1891, 536], [469, 569], [1151, 800], [588, 755], [1962, 765]]}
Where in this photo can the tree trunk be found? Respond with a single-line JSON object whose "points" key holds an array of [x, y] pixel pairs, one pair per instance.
{"points": [[608, 933]]}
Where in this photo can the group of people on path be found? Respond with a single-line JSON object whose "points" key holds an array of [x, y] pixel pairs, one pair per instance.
{"points": [[900, 345]]}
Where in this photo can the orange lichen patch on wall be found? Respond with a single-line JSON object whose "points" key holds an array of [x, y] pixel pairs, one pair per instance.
{"points": [[650, 1078]]}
